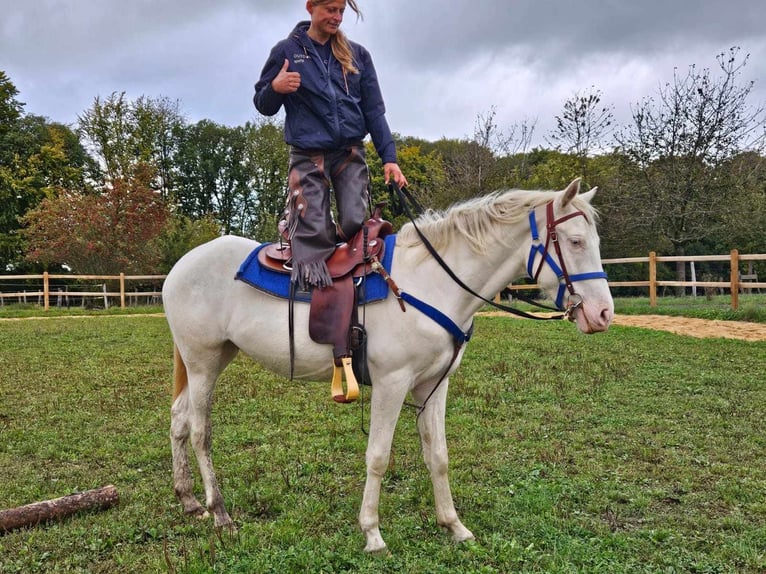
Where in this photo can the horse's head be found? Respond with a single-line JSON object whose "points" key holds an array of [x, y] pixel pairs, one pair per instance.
{"points": [[565, 260]]}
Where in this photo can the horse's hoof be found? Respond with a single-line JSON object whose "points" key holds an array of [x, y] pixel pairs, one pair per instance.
{"points": [[229, 528], [377, 550], [463, 535]]}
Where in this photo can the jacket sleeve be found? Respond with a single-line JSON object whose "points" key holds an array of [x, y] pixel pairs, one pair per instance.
{"points": [[266, 100], [374, 110]]}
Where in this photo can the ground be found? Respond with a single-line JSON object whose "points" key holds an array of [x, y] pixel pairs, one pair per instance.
{"points": [[692, 327], [696, 327], [702, 328]]}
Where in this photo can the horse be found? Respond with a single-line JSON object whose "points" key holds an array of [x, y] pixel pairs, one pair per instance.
{"points": [[487, 242]]}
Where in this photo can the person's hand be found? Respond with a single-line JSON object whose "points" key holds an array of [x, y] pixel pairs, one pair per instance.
{"points": [[391, 170], [286, 82]]}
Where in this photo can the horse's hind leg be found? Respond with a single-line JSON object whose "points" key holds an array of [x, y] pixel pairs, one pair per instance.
{"points": [[434, 441], [179, 435], [190, 417]]}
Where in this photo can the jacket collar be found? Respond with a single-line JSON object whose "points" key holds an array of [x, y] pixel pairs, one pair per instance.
{"points": [[301, 33]]}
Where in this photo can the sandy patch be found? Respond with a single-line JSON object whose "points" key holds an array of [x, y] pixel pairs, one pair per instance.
{"points": [[702, 328]]}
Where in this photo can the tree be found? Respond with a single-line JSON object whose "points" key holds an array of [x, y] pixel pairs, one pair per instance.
{"points": [[213, 177], [11, 109], [100, 233], [180, 235], [37, 157], [125, 136], [582, 125], [266, 162], [682, 144], [425, 173]]}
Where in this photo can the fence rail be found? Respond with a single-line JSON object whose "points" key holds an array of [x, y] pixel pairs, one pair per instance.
{"points": [[44, 293], [736, 283]]}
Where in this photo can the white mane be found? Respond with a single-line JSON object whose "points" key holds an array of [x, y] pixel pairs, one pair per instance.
{"points": [[481, 220]]}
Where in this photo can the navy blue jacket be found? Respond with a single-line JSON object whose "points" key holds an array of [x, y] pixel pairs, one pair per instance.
{"points": [[329, 110]]}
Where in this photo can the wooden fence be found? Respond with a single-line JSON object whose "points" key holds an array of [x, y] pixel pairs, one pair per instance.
{"points": [[44, 293], [737, 281]]}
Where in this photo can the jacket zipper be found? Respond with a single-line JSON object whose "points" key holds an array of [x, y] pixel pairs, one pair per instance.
{"points": [[333, 93]]}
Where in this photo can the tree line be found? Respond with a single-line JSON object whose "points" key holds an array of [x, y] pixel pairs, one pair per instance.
{"points": [[133, 185]]}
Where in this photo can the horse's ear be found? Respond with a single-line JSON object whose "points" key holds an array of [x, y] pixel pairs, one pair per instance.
{"points": [[570, 192], [588, 195]]}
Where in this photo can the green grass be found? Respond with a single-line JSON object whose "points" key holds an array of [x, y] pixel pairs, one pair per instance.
{"points": [[752, 307], [630, 451], [23, 311]]}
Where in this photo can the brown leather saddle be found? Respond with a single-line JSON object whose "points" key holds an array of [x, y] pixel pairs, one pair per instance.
{"points": [[333, 313]]}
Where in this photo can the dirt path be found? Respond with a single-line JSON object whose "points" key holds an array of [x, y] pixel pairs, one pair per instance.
{"points": [[702, 328], [696, 327]]}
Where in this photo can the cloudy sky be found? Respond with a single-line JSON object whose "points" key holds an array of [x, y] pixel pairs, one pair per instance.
{"points": [[440, 63]]}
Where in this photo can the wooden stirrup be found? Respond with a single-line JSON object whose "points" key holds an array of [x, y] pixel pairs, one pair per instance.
{"points": [[352, 388]]}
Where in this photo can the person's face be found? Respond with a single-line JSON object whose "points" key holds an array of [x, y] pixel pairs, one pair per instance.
{"points": [[326, 18]]}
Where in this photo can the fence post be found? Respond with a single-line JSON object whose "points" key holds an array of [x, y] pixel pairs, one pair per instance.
{"points": [[46, 291], [122, 290], [652, 279], [734, 281]]}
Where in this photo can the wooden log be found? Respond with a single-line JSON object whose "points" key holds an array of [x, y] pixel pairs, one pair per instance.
{"points": [[48, 510]]}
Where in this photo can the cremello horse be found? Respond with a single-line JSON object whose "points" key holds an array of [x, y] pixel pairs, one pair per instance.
{"points": [[488, 242]]}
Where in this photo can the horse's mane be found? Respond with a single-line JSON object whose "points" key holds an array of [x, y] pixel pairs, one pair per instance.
{"points": [[480, 220]]}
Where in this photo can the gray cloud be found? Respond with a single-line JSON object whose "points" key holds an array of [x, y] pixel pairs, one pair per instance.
{"points": [[440, 63]]}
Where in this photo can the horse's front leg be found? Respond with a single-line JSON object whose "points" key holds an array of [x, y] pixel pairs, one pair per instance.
{"points": [[386, 404], [434, 441]]}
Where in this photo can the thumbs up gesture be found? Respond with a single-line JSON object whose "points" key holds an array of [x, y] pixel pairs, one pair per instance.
{"points": [[286, 82]]}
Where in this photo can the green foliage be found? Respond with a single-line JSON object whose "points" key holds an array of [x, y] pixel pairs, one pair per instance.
{"points": [[126, 135], [752, 307], [37, 158], [683, 142], [425, 174], [267, 163], [687, 175], [105, 233], [236, 175], [631, 451], [180, 235], [10, 107]]}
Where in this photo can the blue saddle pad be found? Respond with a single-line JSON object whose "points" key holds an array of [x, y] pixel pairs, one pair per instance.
{"points": [[278, 284]]}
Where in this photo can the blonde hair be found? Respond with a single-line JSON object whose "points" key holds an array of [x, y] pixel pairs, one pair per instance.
{"points": [[341, 49]]}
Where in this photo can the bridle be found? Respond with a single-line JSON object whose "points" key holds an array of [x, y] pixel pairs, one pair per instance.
{"points": [[575, 300], [403, 197]]}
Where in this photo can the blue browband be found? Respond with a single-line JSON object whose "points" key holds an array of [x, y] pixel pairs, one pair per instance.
{"points": [[538, 248]]}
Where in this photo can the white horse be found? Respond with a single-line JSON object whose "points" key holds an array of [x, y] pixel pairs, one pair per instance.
{"points": [[488, 242]]}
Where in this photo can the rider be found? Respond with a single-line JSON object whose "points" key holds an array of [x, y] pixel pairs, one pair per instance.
{"points": [[332, 100]]}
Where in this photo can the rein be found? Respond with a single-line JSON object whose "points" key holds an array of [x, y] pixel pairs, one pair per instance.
{"points": [[576, 300]]}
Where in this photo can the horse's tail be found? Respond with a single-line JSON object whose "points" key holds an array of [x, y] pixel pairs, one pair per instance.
{"points": [[180, 377]]}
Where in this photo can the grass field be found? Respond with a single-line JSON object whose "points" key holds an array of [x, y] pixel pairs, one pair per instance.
{"points": [[630, 451]]}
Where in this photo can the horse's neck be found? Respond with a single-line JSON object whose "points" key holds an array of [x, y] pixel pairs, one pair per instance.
{"points": [[487, 274]]}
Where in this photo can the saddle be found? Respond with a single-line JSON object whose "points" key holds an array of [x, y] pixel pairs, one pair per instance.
{"points": [[333, 312]]}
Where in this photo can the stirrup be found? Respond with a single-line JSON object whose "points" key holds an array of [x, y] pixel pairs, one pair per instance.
{"points": [[352, 388]]}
